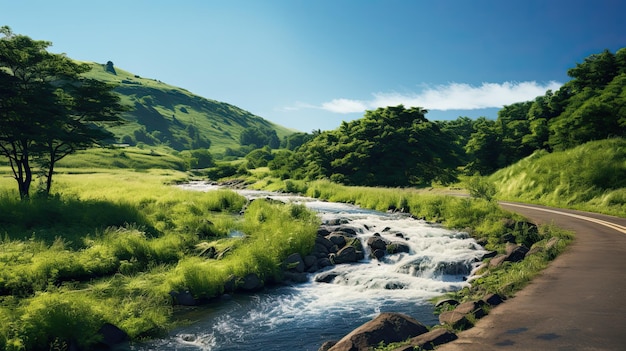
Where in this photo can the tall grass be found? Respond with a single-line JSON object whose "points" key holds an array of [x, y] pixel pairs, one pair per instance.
{"points": [[110, 246], [589, 177]]}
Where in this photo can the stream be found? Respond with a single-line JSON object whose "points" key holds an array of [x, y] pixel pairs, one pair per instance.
{"points": [[303, 316]]}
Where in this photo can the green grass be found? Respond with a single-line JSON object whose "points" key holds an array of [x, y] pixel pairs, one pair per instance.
{"points": [[112, 244], [180, 117], [588, 177]]}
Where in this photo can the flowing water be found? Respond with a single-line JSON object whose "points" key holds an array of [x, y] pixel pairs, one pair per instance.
{"points": [[303, 316]]}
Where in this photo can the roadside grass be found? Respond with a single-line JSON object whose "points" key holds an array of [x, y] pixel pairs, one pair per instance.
{"points": [[588, 177], [111, 245]]}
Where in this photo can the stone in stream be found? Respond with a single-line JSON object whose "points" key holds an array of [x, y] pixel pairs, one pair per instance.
{"points": [[387, 327]]}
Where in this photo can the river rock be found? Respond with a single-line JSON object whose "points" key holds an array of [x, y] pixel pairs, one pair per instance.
{"points": [[309, 261], [326, 277], [386, 327], [398, 247], [378, 254], [111, 336], [455, 319], [296, 277], [337, 239], [429, 340], [346, 255], [376, 243], [515, 253], [183, 298], [349, 231], [324, 242], [251, 282], [294, 262], [230, 284]]}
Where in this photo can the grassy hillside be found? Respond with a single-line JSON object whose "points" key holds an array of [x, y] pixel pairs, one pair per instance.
{"points": [[589, 177], [164, 114]]}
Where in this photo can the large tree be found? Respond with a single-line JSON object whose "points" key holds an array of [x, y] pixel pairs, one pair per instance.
{"points": [[48, 110]]}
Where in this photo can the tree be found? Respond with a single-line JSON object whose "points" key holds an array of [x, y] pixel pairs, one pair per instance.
{"points": [[48, 109]]}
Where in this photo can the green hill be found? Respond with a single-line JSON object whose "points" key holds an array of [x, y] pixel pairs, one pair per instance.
{"points": [[162, 114], [591, 176]]}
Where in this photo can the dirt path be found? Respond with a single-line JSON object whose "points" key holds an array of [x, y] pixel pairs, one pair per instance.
{"points": [[577, 303]]}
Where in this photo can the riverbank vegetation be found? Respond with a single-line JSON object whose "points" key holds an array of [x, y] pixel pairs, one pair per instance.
{"points": [[111, 246]]}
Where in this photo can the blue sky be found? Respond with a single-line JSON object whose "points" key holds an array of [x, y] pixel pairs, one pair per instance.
{"points": [[313, 64]]}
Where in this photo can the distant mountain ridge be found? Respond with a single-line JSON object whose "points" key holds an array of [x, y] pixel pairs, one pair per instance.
{"points": [[162, 114]]}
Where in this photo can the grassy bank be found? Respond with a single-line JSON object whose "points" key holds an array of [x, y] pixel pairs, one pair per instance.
{"points": [[589, 177], [111, 245]]}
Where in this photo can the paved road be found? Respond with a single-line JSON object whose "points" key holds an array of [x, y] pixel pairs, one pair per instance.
{"points": [[577, 303]]}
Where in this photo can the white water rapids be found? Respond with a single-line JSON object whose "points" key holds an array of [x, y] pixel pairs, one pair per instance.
{"points": [[303, 316]]}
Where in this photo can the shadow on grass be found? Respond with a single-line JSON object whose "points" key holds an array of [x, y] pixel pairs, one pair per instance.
{"points": [[69, 218]]}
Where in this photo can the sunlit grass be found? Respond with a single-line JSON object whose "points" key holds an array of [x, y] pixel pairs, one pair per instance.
{"points": [[110, 245], [588, 177]]}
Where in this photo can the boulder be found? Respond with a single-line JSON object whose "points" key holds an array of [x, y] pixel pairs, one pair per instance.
{"points": [[230, 284], [324, 242], [451, 302], [251, 282], [349, 231], [498, 260], [294, 262], [386, 327], [493, 299], [378, 254], [515, 253], [326, 277], [310, 261], [346, 255], [429, 340], [112, 335], [376, 243], [455, 319], [398, 247], [183, 298], [295, 277], [337, 239]]}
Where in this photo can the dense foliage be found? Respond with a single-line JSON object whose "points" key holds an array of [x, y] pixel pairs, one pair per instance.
{"points": [[392, 146], [396, 146], [591, 106]]}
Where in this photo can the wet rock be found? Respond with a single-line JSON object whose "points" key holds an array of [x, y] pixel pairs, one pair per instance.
{"points": [[398, 247], [251, 282], [230, 284], [378, 254], [294, 262], [324, 262], [386, 327], [337, 239], [326, 277], [183, 298], [349, 231], [324, 242], [112, 335], [394, 286], [296, 277], [309, 261], [489, 254], [346, 255], [376, 243]]}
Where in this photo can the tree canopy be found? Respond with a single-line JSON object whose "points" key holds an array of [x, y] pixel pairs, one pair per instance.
{"points": [[47, 109], [392, 146]]}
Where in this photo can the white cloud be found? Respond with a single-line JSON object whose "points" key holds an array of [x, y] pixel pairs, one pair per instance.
{"points": [[452, 96]]}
